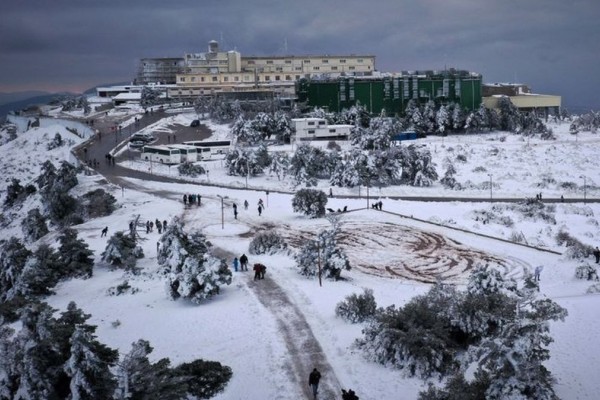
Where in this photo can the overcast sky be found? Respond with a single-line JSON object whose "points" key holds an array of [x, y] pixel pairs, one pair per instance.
{"points": [[553, 45]]}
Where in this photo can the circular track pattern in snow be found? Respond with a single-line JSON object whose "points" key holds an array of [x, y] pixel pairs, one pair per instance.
{"points": [[394, 251]]}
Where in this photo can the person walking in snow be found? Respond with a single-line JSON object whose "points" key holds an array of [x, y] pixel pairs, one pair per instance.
{"points": [[256, 270], [313, 381], [246, 204], [104, 231], [259, 210], [244, 262], [262, 271], [537, 272], [597, 254], [235, 264]]}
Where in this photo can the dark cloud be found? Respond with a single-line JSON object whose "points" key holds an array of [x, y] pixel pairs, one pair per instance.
{"points": [[551, 44]]}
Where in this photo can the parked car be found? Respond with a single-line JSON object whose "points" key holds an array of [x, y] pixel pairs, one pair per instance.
{"points": [[136, 144], [195, 123], [141, 137]]}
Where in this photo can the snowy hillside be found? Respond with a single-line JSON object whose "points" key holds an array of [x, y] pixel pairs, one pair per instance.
{"points": [[272, 332]]}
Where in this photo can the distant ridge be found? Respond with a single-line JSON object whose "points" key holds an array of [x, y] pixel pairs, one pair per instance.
{"points": [[31, 101]]}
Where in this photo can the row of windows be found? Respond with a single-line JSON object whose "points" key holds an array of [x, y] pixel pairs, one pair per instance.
{"points": [[247, 78], [308, 61]]}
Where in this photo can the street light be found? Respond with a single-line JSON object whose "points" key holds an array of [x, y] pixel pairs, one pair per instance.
{"points": [[222, 212], [491, 185], [584, 187]]}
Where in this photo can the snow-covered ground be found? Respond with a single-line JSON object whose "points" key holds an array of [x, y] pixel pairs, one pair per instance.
{"points": [[237, 330]]}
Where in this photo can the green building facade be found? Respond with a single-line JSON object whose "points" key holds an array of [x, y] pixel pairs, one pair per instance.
{"points": [[393, 92]]}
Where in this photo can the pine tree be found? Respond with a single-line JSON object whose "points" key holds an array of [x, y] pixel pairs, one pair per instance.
{"points": [[310, 202], [34, 225], [75, 256], [191, 272], [12, 263], [323, 252], [88, 367], [122, 251], [140, 379]]}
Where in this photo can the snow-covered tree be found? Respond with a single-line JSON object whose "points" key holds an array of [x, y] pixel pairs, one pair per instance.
{"points": [[122, 251], [12, 263], [75, 255], [307, 164], [280, 164], [429, 117], [34, 225], [449, 181], [310, 202], [97, 203], [149, 97], [188, 168], [88, 366], [443, 120], [324, 251], [138, 378], [191, 272]]}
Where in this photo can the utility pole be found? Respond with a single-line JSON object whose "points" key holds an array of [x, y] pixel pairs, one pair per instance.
{"points": [[319, 260], [491, 186]]}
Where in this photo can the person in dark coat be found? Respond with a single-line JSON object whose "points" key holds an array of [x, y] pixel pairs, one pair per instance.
{"points": [[256, 270], [245, 204], [597, 255], [263, 270], [244, 262], [104, 231], [313, 381], [259, 210]]}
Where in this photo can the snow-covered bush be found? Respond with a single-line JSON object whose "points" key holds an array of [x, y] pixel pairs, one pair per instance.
{"points": [[594, 288], [267, 243], [536, 209], [310, 202], [575, 248], [357, 308], [97, 203], [191, 272], [122, 251], [417, 338], [122, 288], [56, 142], [15, 192], [190, 169], [307, 164], [586, 272]]}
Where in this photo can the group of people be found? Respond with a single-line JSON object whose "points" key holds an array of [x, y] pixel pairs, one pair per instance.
{"points": [[242, 263], [159, 226], [378, 205], [192, 199], [110, 159]]}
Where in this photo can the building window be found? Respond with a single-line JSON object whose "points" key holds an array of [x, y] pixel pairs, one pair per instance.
{"points": [[225, 79], [251, 62], [193, 79], [269, 61], [311, 131], [202, 79], [236, 78], [334, 68], [351, 67], [359, 60], [279, 69], [311, 123], [325, 61], [298, 68], [288, 61], [306, 61], [277, 78], [332, 131], [342, 61], [267, 78], [288, 78], [215, 79], [182, 79], [316, 68]]}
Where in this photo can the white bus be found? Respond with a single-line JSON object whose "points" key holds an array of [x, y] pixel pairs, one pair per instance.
{"points": [[188, 153], [161, 154], [219, 147]]}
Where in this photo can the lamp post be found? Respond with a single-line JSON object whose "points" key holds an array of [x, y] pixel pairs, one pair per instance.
{"points": [[247, 173], [491, 185], [267, 193], [584, 188], [222, 212]]}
